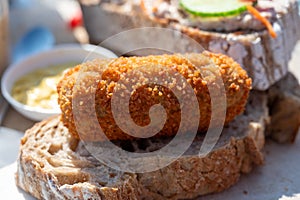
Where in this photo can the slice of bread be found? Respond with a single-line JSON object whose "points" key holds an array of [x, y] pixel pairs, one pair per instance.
{"points": [[54, 165], [264, 58]]}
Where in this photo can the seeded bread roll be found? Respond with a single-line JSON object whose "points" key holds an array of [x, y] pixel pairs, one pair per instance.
{"points": [[54, 165], [199, 70]]}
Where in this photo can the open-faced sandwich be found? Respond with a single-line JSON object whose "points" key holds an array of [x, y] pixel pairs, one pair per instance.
{"points": [[56, 161], [65, 157]]}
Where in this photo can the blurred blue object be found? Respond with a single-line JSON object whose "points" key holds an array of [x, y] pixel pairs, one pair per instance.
{"points": [[34, 41], [19, 3]]}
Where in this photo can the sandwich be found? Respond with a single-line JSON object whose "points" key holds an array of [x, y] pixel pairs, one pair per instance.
{"points": [[80, 153], [59, 154], [59, 157]]}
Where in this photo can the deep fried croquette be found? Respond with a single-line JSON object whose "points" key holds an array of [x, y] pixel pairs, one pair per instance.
{"points": [[103, 76]]}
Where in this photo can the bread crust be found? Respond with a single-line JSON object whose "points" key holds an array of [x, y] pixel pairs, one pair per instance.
{"points": [[54, 165]]}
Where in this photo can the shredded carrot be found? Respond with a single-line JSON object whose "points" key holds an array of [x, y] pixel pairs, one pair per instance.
{"points": [[261, 18]]}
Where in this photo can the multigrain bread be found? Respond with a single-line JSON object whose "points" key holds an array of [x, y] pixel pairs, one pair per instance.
{"points": [[264, 58], [199, 70], [54, 165]]}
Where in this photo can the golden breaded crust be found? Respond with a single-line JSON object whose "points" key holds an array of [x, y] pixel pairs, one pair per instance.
{"points": [[237, 86]]}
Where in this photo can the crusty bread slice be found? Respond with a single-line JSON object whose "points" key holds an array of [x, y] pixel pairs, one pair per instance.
{"points": [[264, 58], [54, 165]]}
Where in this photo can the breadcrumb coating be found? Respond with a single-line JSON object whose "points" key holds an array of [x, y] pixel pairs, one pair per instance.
{"points": [[96, 81]]}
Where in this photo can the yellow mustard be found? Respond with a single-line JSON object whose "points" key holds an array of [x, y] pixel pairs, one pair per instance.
{"points": [[38, 88]]}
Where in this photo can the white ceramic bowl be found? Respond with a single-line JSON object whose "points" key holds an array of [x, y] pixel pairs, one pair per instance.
{"points": [[60, 54]]}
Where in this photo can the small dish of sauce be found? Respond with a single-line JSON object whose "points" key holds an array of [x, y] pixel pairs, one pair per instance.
{"points": [[38, 88]]}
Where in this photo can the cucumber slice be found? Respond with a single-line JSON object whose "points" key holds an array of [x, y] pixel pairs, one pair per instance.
{"points": [[214, 8]]}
